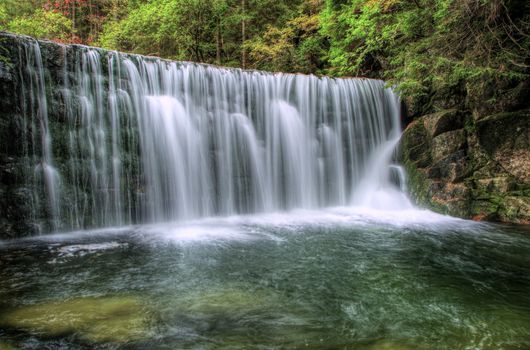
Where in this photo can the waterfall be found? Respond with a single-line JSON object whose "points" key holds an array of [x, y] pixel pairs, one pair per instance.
{"points": [[40, 165], [149, 140]]}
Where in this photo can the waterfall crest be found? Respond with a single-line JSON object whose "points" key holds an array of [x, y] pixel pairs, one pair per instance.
{"points": [[150, 140]]}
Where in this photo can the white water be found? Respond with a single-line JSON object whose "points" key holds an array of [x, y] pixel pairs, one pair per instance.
{"points": [[151, 140], [38, 152]]}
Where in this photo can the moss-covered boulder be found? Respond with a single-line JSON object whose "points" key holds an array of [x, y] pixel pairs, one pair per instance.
{"points": [[117, 319], [6, 346], [225, 301], [392, 345], [468, 168], [443, 121], [434, 157], [447, 144], [505, 137]]}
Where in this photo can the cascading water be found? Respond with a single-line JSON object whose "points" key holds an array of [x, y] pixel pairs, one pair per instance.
{"points": [[39, 168], [150, 140]]}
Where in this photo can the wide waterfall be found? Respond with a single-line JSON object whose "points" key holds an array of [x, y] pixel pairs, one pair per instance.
{"points": [[149, 140]]}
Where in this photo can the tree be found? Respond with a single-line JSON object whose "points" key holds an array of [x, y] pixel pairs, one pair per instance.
{"points": [[428, 47], [44, 25], [210, 31], [243, 35], [180, 29], [295, 45], [422, 46]]}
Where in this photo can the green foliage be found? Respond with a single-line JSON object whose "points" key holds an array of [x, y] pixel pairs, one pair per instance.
{"points": [[273, 50], [429, 49], [471, 47], [179, 29], [4, 59], [3, 16], [20, 8], [42, 24], [211, 31], [294, 46]]}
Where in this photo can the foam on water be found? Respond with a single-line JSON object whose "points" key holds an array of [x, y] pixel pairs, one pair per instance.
{"points": [[253, 227]]}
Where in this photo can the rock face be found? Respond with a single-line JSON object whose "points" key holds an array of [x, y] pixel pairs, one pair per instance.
{"points": [[468, 167], [22, 210]]}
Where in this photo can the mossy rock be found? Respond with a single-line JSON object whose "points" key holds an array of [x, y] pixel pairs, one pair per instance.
{"points": [[117, 319], [6, 346], [450, 169], [447, 144], [442, 122], [228, 301], [501, 184], [392, 345], [226, 313], [484, 209], [504, 137], [416, 145], [515, 209]]}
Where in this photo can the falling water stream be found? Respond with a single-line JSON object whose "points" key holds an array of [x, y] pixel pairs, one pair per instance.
{"points": [[150, 140], [216, 208]]}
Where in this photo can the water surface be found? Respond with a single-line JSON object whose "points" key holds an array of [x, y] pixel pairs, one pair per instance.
{"points": [[335, 279]]}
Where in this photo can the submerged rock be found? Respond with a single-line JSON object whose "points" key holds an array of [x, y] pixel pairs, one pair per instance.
{"points": [[391, 345], [225, 314], [6, 346], [229, 303], [118, 319]]}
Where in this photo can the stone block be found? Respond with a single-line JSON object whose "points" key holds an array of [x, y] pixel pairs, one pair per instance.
{"points": [[447, 143], [441, 122]]}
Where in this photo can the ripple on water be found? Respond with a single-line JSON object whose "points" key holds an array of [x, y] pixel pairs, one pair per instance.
{"points": [[336, 279]]}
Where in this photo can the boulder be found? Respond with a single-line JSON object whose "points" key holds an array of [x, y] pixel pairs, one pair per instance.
{"points": [[452, 168], [468, 168], [505, 137], [447, 144], [112, 319], [444, 121]]}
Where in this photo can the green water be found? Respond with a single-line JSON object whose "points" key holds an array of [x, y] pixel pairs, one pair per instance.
{"points": [[305, 280]]}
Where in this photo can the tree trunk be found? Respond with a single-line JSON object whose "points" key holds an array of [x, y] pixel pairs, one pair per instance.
{"points": [[218, 43], [73, 18], [243, 36]]}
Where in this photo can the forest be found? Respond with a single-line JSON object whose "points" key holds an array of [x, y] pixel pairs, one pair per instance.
{"points": [[265, 174], [476, 50]]}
